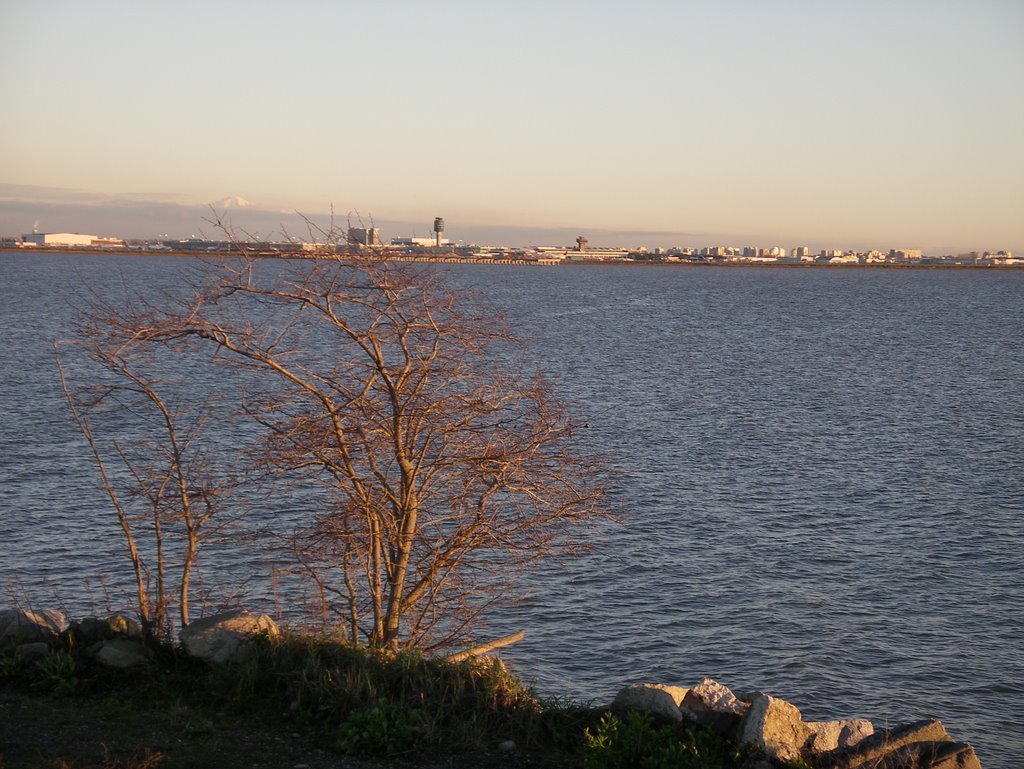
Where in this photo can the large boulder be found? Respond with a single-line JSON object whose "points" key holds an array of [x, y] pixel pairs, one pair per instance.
{"points": [[773, 727], [831, 735], [20, 626], [713, 704], [123, 653], [895, 747], [225, 637], [659, 700], [936, 755]]}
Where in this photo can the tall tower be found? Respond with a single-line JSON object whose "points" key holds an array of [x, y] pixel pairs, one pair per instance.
{"points": [[438, 230], [581, 243]]}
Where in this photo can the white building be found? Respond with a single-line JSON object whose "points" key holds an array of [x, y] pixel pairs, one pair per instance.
{"points": [[59, 239], [421, 242]]}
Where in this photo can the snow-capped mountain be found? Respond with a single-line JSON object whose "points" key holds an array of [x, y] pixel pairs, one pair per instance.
{"points": [[232, 202]]}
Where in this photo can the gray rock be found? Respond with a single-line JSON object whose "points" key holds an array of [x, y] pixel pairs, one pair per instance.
{"points": [[855, 730], [92, 630], [225, 637], [88, 631], [33, 651], [873, 750], [830, 735], [713, 704], [774, 727], [937, 755], [122, 624], [660, 700], [123, 653], [19, 626]]}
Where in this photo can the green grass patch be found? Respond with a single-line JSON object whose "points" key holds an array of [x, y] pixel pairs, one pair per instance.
{"points": [[635, 741]]}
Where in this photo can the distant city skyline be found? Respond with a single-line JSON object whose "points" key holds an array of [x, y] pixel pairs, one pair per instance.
{"points": [[779, 123], [134, 218]]}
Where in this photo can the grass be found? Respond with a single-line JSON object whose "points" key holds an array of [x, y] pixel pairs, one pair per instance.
{"points": [[383, 703], [348, 700]]}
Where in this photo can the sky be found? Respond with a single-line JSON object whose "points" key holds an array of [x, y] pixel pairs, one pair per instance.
{"points": [[839, 124]]}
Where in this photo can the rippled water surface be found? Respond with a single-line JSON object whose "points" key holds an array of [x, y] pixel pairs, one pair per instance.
{"points": [[819, 476]]}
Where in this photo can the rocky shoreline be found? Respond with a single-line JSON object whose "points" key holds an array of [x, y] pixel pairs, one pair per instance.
{"points": [[773, 729], [770, 730]]}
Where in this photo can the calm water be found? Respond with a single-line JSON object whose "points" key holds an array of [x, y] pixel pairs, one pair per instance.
{"points": [[819, 474]]}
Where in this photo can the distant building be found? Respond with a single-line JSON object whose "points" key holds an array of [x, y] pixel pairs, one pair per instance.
{"points": [[1002, 258], [420, 242], [905, 254], [60, 239], [847, 258], [364, 236], [590, 253]]}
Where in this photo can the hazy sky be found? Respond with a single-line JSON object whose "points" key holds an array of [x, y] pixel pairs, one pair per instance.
{"points": [[777, 122]]}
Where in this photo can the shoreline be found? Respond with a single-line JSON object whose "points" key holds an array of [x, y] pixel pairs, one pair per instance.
{"points": [[348, 700], [453, 259]]}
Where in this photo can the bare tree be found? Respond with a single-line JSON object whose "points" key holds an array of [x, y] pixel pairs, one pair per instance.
{"points": [[440, 468], [161, 485]]}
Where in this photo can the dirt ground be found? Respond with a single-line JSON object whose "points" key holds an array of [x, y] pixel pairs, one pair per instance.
{"points": [[39, 732]]}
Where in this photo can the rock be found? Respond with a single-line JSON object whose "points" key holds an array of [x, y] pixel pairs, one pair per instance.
{"points": [[92, 630], [33, 651], [88, 631], [660, 700], [855, 730], [938, 755], [873, 750], [225, 637], [507, 746], [123, 653], [824, 736], [712, 704], [18, 626], [122, 624], [830, 735], [774, 727]]}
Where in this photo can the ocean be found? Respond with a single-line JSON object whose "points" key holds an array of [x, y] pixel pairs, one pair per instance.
{"points": [[818, 476]]}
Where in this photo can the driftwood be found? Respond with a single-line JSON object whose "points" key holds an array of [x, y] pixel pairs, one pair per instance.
{"points": [[476, 651]]}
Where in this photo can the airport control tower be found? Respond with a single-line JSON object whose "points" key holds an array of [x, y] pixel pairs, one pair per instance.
{"points": [[438, 230]]}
